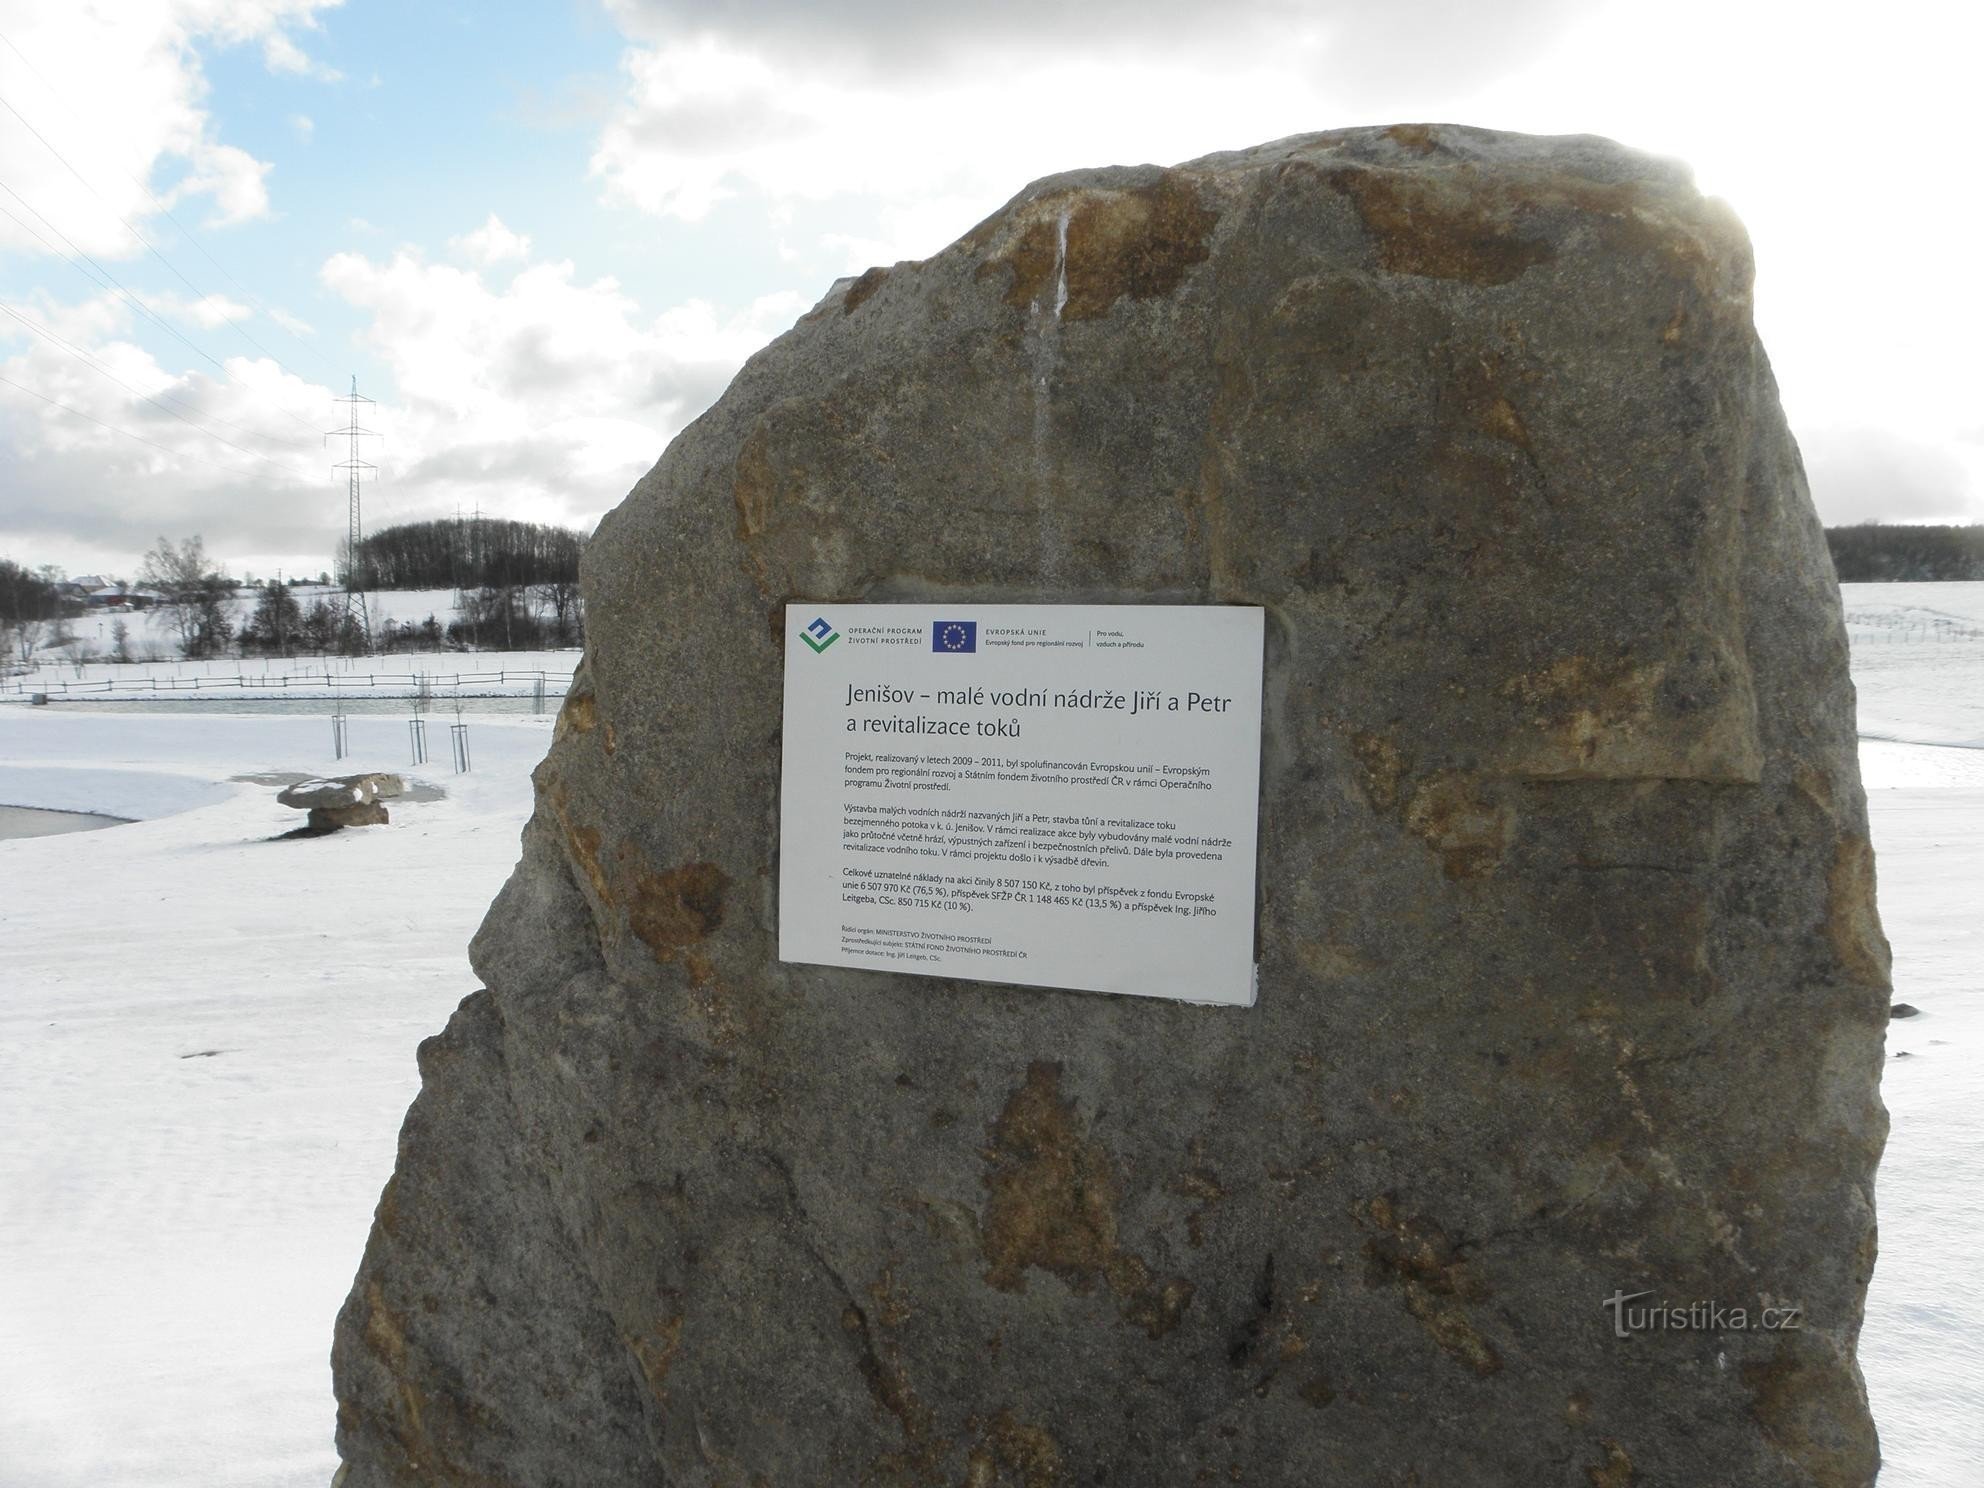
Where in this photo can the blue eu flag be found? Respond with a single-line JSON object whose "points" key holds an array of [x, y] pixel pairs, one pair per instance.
{"points": [[954, 635]]}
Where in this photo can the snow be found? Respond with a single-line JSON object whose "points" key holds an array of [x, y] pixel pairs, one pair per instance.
{"points": [[206, 1046], [207, 1035], [150, 633], [1902, 634], [439, 676]]}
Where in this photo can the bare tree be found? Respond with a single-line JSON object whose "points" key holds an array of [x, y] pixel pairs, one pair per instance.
{"points": [[561, 598], [195, 589]]}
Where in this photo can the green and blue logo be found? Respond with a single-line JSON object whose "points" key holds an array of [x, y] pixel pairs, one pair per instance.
{"points": [[819, 635]]}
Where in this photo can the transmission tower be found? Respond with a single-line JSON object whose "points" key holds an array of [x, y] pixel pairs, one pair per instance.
{"points": [[352, 606]]}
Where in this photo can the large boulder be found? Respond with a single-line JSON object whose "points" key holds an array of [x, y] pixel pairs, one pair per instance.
{"points": [[1571, 983]]}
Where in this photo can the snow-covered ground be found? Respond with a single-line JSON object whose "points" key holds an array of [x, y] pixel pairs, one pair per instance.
{"points": [[1918, 664], [206, 1041], [206, 1047]]}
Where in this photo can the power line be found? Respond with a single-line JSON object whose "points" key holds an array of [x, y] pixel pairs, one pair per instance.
{"points": [[28, 228], [132, 299], [105, 279], [200, 294], [92, 419], [116, 283], [118, 286], [155, 401], [184, 232]]}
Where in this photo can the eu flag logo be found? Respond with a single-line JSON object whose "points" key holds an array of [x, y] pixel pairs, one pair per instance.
{"points": [[954, 635]]}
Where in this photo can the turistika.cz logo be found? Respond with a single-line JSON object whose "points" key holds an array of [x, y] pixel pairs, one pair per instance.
{"points": [[819, 635], [954, 635], [1631, 1314]]}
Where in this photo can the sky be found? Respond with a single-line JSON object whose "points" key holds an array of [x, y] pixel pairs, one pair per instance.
{"points": [[543, 236]]}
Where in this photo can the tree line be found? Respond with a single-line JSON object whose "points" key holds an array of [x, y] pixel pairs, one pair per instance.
{"points": [[29, 604], [1874, 552], [201, 608], [469, 553]]}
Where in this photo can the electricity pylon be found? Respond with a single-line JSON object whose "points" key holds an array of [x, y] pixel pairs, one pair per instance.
{"points": [[352, 607]]}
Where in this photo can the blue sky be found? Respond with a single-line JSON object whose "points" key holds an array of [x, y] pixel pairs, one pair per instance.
{"points": [[544, 235], [443, 114]]}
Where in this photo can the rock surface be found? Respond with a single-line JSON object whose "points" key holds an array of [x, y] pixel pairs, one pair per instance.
{"points": [[1571, 980]]}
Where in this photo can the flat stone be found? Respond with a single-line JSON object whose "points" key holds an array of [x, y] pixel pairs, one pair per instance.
{"points": [[307, 795], [1572, 986], [341, 790]]}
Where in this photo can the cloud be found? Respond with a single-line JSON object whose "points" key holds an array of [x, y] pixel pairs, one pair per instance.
{"points": [[492, 243], [304, 125], [889, 107], [1866, 475], [121, 93], [710, 120], [137, 449], [1452, 41], [542, 394], [206, 312], [280, 53], [232, 178]]}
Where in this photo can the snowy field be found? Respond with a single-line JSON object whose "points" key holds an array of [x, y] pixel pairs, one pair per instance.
{"points": [[206, 1047], [79, 671]]}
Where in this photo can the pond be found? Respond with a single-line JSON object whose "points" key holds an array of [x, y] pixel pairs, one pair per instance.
{"points": [[35, 821]]}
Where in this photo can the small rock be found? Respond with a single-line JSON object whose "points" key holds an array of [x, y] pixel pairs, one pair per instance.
{"points": [[1903, 1010]]}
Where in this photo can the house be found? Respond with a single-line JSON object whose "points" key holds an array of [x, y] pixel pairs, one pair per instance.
{"points": [[123, 597]]}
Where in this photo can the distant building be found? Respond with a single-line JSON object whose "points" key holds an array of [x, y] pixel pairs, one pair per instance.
{"points": [[121, 597]]}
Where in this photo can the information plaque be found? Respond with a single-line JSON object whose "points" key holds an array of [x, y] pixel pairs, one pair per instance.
{"points": [[1053, 795]]}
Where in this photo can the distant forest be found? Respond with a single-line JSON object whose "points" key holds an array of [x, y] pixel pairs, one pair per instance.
{"points": [[1874, 552], [472, 553]]}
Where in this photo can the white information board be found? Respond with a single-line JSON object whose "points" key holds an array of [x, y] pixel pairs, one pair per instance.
{"points": [[1054, 795]]}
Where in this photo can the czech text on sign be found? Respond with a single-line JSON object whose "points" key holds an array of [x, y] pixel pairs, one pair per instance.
{"points": [[1055, 795]]}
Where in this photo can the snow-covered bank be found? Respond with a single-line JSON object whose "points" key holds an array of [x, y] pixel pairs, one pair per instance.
{"points": [[1923, 1347], [206, 1046], [1918, 661]]}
